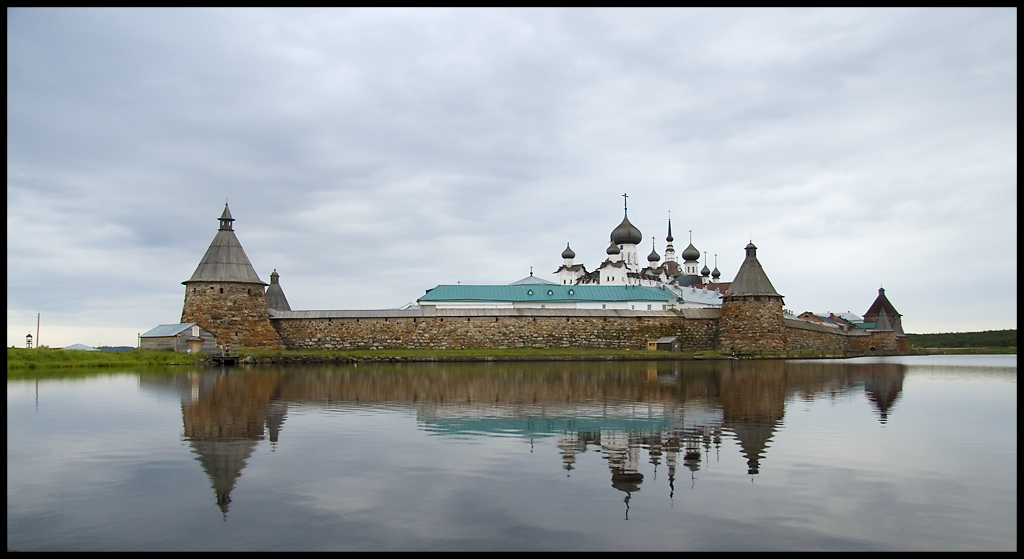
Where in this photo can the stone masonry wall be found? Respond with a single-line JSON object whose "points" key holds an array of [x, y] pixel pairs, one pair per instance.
{"points": [[802, 335], [875, 341], [234, 312], [614, 332], [752, 323]]}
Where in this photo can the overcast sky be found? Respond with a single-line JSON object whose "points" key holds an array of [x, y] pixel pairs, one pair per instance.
{"points": [[369, 155]]}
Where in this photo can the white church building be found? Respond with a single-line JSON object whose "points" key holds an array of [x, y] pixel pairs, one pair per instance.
{"points": [[622, 281]]}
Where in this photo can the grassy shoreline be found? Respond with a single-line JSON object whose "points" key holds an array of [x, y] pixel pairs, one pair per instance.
{"points": [[24, 360]]}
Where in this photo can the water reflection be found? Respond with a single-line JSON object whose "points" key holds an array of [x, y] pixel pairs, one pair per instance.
{"points": [[674, 412]]}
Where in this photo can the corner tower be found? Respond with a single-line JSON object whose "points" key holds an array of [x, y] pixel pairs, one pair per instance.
{"points": [[751, 316], [886, 319], [226, 297]]}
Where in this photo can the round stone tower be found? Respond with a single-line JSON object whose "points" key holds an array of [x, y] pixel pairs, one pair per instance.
{"points": [[751, 317], [226, 297]]}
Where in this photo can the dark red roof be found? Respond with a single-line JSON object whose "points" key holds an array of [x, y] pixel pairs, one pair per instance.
{"points": [[876, 308]]}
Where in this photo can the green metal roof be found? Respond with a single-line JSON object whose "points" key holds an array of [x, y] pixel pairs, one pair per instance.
{"points": [[546, 293]]}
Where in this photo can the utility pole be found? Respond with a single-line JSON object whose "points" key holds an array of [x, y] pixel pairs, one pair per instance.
{"points": [[37, 328]]}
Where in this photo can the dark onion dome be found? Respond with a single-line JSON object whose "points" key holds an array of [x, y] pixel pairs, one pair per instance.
{"points": [[705, 272], [653, 256], [626, 233], [669, 238], [613, 248], [568, 253], [691, 253], [715, 273]]}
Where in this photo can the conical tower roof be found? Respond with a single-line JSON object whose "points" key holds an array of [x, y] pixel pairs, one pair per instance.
{"points": [[882, 322], [275, 295], [881, 303], [751, 279], [225, 260]]}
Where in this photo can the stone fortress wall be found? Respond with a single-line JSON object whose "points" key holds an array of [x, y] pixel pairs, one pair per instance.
{"points": [[543, 328], [494, 328]]}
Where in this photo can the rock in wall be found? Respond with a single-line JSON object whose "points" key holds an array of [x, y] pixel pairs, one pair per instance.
{"points": [[612, 332], [751, 323]]}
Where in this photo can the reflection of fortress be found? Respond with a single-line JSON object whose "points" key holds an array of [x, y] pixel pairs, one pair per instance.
{"points": [[224, 419], [672, 412]]}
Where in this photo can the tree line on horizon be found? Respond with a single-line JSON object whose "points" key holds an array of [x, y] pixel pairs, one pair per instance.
{"points": [[987, 338]]}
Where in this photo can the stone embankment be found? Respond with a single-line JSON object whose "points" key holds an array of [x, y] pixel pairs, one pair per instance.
{"points": [[316, 359]]}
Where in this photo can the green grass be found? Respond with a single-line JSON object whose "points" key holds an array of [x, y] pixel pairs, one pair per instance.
{"points": [[45, 358]]}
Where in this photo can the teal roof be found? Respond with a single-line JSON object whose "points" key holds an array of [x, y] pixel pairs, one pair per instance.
{"points": [[534, 426], [546, 293]]}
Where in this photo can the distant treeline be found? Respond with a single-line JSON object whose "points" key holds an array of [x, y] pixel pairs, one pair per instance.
{"points": [[988, 338]]}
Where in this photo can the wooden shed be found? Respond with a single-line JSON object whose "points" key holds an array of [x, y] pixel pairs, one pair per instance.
{"points": [[177, 336], [670, 343]]}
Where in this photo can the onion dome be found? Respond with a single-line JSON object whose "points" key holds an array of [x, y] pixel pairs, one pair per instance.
{"points": [[626, 233], [715, 273], [613, 248], [653, 257], [669, 238], [691, 253], [705, 272], [568, 253]]}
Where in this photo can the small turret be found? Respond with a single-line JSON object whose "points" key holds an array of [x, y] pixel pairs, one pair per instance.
{"points": [[275, 295], [226, 219]]}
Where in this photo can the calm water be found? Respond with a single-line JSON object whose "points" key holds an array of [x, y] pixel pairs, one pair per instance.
{"points": [[903, 453]]}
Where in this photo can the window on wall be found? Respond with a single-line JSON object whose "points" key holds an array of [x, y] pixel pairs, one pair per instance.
{"points": [[648, 307]]}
